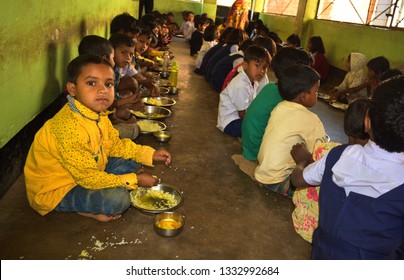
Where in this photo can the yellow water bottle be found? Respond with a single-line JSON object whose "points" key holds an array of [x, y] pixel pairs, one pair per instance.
{"points": [[173, 74]]}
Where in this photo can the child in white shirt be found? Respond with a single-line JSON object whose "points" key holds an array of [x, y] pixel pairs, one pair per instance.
{"points": [[238, 95]]}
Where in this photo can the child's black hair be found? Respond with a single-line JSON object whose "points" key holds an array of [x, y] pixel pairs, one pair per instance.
{"points": [[286, 57], [210, 33], [258, 53], [354, 119], [223, 36], [147, 33], [379, 65], [274, 36], [124, 23], [317, 44], [200, 21], [76, 65], [297, 79], [236, 37], [119, 39], [266, 42], [386, 115], [93, 44], [246, 44], [294, 39]]}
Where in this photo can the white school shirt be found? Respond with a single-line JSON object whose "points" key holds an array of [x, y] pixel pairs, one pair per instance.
{"points": [[128, 70], [204, 49], [237, 96], [367, 170], [189, 28]]}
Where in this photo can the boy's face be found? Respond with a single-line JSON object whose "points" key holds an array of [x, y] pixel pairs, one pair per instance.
{"points": [[255, 69], [309, 99], [123, 55], [143, 43], [191, 17], [94, 87]]}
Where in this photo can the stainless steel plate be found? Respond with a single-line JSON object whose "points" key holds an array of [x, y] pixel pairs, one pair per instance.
{"points": [[157, 199]]}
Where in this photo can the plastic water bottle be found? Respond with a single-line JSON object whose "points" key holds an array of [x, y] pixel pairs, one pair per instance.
{"points": [[166, 63], [173, 74]]}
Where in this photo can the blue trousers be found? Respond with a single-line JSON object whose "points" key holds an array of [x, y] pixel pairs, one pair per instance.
{"points": [[234, 128], [108, 201]]}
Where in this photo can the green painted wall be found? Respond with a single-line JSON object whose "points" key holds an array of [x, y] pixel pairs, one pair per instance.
{"points": [[177, 7], [38, 39], [282, 25], [340, 39]]}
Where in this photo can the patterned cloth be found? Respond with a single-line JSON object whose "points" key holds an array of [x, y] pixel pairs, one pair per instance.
{"points": [[305, 215], [238, 14]]}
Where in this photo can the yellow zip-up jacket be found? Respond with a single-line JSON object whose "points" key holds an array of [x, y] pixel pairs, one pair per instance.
{"points": [[72, 150]]}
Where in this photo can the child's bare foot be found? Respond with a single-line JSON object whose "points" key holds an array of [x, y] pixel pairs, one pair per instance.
{"points": [[100, 217]]}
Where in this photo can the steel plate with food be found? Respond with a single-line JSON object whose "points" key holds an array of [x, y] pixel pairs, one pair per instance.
{"points": [[340, 106], [157, 199], [323, 96], [152, 112], [159, 101], [150, 126]]}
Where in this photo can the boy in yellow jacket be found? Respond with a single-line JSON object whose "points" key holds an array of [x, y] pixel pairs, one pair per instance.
{"points": [[77, 162]]}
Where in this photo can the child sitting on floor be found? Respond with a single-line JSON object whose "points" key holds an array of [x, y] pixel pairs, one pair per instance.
{"points": [[196, 41], [291, 122], [238, 95], [356, 76], [121, 118], [210, 37], [77, 163], [124, 52], [305, 214], [259, 112], [362, 188], [189, 26]]}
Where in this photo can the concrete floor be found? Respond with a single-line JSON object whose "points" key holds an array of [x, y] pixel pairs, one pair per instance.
{"points": [[228, 216]]}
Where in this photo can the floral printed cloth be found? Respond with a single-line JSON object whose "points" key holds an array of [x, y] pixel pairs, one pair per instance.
{"points": [[305, 215], [238, 15]]}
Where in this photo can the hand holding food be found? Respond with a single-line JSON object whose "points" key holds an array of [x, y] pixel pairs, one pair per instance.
{"points": [[146, 180], [162, 155]]}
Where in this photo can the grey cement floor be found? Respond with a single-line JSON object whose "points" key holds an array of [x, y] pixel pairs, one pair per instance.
{"points": [[228, 216]]}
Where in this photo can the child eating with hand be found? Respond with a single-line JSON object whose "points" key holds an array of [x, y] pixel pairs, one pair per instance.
{"points": [[77, 162]]}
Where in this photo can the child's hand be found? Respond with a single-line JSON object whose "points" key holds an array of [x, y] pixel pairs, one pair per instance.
{"points": [[300, 153], [154, 91], [146, 180], [162, 155]]}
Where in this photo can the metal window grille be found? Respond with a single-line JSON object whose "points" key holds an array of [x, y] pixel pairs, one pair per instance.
{"points": [[387, 13], [281, 7]]}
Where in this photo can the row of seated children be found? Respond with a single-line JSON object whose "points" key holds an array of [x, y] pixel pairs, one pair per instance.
{"points": [[238, 95], [278, 117], [229, 42], [342, 244], [289, 81], [91, 173], [361, 210], [126, 46]]}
